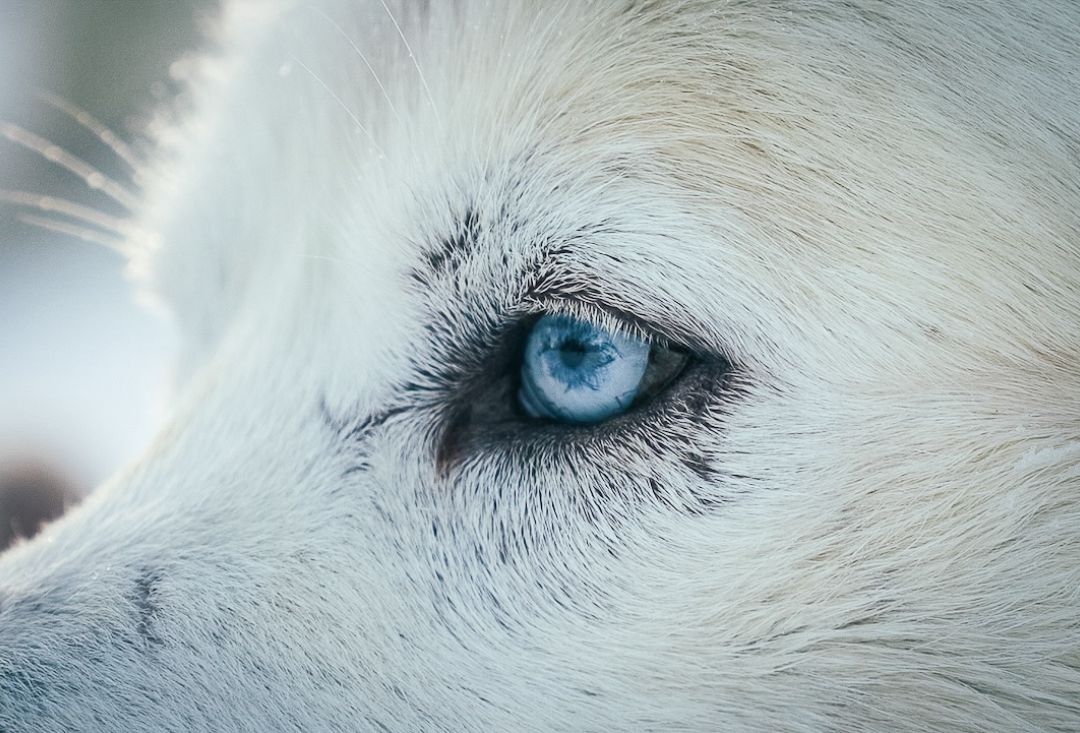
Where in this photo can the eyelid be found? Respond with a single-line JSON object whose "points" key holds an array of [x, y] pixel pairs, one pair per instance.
{"points": [[601, 312], [596, 315]]}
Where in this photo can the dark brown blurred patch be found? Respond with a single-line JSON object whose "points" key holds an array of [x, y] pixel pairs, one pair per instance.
{"points": [[30, 496]]}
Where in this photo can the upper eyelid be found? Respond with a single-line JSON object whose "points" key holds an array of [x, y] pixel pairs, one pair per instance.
{"points": [[599, 314], [616, 318]]}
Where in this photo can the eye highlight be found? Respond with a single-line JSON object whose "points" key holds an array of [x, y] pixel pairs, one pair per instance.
{"points": [[573, 371]]}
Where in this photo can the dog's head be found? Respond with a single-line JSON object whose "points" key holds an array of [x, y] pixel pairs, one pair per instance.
{"points": [[822, 260]]}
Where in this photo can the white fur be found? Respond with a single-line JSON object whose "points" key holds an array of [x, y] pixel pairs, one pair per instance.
{"points": [[872, 208]]}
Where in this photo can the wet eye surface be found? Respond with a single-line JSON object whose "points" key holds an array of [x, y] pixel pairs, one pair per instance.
{"points": [[573, 371]]}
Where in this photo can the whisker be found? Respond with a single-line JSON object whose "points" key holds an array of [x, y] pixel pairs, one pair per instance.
{"points": [[93, 178], [99, 130], [73, 230], [52, 204], [352, 115], [363, 58], [412, 57]]}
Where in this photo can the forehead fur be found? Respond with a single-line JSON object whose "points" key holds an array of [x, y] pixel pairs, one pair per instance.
{"points": [[763, 143]]}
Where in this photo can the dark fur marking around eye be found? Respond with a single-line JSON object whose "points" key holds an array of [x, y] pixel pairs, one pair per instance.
{"points": [[451, 250], [356, 433], [358, 430], [450, 446], [700, 467]]}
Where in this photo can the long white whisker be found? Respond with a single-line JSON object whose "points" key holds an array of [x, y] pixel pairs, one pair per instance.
{"points": [[99, 130], [92, 177], [412, 57], [72, 230], [336, 98], [52, 204], [364, 59]]}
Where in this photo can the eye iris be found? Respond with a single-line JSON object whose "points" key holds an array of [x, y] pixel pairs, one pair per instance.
{"points": [[576, 372]]}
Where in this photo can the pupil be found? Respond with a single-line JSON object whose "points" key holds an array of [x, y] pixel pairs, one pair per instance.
{"points": [[573, 353]]}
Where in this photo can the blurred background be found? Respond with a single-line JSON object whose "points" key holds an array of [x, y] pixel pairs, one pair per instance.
{"points": [[83, 369]]}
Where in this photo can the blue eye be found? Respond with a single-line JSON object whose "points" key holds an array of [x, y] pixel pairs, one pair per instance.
{"points": [[577, 372]]}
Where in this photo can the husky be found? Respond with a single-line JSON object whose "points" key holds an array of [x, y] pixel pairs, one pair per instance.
{"points": [[627, 365]]}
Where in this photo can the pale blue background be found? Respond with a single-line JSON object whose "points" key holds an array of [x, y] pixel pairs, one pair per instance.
{"points": [[83, 370]]}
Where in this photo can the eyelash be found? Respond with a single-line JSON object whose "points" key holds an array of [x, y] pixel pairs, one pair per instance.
{"points": [[606, 317]]}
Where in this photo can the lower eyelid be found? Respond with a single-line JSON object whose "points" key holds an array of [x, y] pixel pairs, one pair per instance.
{"points": [[703, 389]]}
